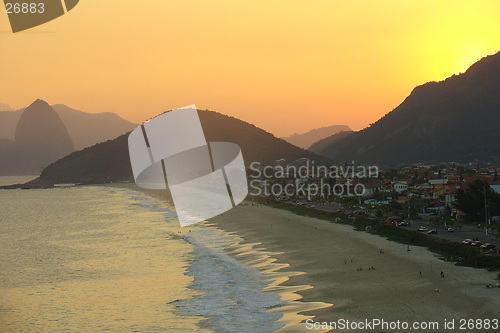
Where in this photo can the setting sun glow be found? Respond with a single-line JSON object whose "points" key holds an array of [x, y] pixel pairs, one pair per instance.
{"points": [[285, 66]]}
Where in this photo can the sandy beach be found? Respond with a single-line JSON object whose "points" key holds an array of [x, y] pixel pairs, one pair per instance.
{"points": [[324, 270], [335, 262]]}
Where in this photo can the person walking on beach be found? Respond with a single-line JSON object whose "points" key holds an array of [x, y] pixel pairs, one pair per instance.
{"points": [[442, 274], [419, 274], [345, 261]]}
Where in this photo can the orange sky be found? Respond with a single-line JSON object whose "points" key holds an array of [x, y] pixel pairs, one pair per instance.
{"points": [[286, 66]]}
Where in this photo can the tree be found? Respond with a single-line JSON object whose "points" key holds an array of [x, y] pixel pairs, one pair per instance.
{"points": [[471, 200]]}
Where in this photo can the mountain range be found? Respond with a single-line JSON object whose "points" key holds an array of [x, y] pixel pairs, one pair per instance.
{"points": [[455, 120], [5, 107], [34, 137], [305, 140], [109, 161], [85, 129], [320, 145]]}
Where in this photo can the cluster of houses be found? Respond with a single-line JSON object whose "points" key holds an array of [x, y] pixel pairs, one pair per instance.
{"points": [[437, 184]]}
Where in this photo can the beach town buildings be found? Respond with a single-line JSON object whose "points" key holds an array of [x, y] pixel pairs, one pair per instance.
{"points": [[435, 185]]}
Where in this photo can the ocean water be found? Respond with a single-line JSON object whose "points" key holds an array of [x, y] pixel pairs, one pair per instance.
{"points": [[231, 295], [100, 259]]}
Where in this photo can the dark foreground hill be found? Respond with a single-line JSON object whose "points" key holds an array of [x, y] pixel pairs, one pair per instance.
{"points": [[453, 120], [109, 161]]}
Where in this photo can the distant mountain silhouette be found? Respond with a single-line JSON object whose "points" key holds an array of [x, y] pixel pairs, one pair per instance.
{"points": [[85, 129], [109, 161], [457, 119], [8, 123], [319, 146], [5, 107], [40, 139], [8, 158], [307, 139]]}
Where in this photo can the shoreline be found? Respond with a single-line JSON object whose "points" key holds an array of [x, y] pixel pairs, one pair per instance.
{"points": [[304, 257], [392, 291], [277, 274], [252, 254]]}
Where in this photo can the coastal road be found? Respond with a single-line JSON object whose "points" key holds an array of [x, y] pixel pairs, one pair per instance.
{"points": [[467, 231]]}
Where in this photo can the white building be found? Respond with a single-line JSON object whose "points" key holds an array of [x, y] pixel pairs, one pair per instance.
{"points": [[400, 187], [495, 188]]}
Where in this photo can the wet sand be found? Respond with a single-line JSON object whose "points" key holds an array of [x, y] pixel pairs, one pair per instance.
{"points": [[265, 260], [330, 256], [323, 270]]}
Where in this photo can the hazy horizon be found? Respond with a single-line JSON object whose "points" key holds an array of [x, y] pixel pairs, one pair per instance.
{"points": [[285, 68]]}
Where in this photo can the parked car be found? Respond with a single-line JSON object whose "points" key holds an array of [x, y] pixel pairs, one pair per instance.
{"points": [[432, 231], [451, 230], [393, 221], [467, 241], [477, 243], [488, 247], [423, 229]]}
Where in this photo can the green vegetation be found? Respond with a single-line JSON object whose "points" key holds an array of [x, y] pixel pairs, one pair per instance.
{"points": [[471, 201]]}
